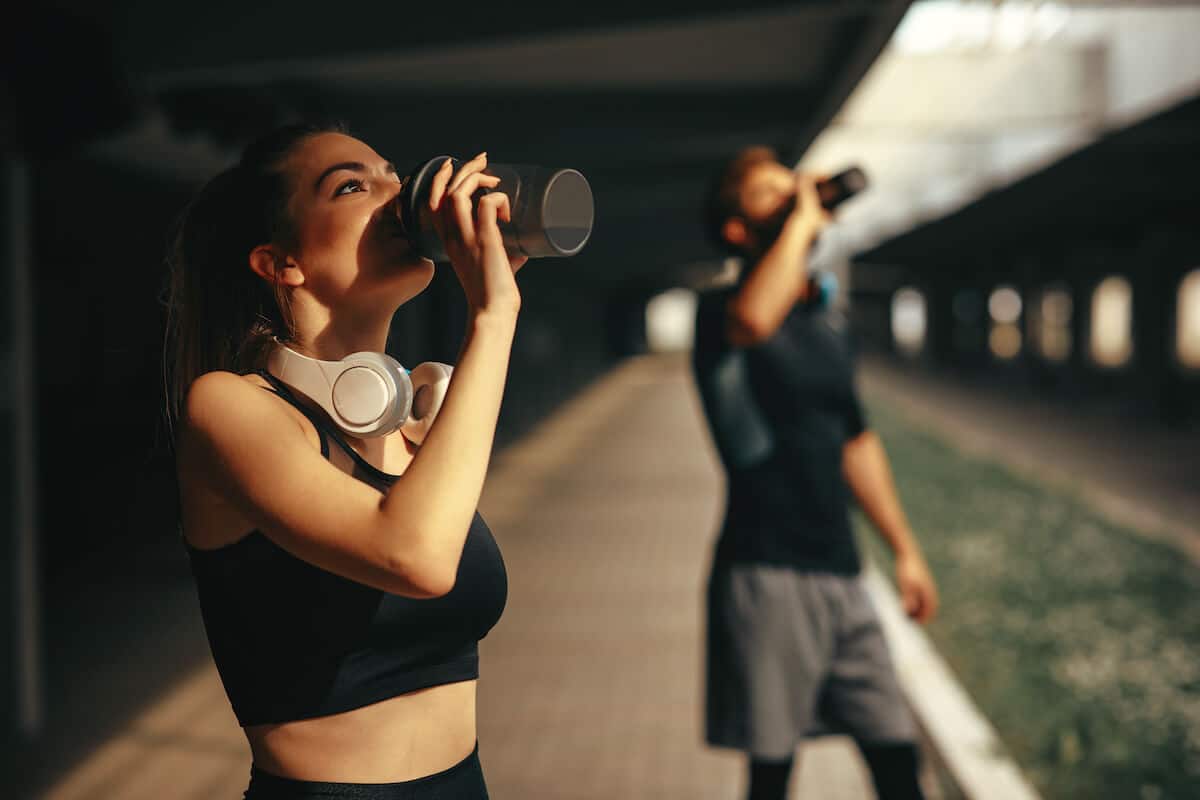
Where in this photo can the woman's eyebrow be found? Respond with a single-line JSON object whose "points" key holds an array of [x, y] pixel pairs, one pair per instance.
{"points": [[352, 166]]}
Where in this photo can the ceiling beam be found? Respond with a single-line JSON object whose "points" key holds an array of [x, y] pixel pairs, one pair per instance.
{"points": [[275, 39]]}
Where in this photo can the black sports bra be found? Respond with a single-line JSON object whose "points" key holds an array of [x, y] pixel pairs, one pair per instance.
{"points": [[292, 641]]}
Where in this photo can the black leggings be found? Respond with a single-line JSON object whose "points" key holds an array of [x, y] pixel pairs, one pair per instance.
{"points": [[463, 781], [893, 770]]}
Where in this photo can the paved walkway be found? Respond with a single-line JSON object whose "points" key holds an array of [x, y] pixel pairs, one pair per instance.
{"points": [[591, 682]]}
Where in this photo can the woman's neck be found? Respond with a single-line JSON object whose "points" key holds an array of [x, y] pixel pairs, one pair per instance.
{"points": [[331, 339]]}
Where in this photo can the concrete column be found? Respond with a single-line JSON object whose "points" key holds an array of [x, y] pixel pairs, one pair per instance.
{"points": [[1152, 312], [939, 316], [21, 605]]}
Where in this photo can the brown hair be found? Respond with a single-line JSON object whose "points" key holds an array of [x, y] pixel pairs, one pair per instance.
{"points": [[722, 201], [220, 315]]}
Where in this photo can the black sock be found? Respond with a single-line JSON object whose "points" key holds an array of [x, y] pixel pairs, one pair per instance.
{"points": [[769, 779], [894, 770]]}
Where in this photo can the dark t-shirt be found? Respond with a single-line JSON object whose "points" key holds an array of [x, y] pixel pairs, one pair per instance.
{"points": [[780, 413]]}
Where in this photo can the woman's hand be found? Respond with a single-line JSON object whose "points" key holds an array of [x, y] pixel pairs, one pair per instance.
{"points": [[471, 234]]}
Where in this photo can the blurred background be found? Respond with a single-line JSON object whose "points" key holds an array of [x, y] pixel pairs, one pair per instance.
{"points": [[1022, 277]]}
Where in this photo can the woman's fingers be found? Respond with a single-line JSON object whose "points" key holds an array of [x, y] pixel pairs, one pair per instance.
{"points": [[469, 168], [493, 208], [446, 180], [458, 207], [468, 219], [437, 189]]}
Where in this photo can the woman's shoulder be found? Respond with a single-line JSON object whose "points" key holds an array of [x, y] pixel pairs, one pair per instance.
{"points": [[230, 428], [221, 383], [226, 400]]}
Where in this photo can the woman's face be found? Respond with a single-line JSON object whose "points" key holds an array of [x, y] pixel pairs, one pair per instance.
{"points": [[347, 244]]}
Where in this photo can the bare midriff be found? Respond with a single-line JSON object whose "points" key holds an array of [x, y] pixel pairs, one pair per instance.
{"points": [[398, 739]]}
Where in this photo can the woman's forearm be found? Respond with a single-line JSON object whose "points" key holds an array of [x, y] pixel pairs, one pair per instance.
{"points": [[428, 511]]}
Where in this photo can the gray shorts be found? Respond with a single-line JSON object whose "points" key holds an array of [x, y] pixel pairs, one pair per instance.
{"points": [[793, 654]]}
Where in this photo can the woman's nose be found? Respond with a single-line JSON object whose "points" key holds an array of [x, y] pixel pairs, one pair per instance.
{"points": [[390, 203], [394, 189]]}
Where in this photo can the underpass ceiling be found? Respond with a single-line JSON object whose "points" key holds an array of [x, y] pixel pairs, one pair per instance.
{"points": [[1141, 176], [645, 98]]}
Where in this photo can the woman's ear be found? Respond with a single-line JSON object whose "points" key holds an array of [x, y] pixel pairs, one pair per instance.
{"points": [[734, 231], [274, 267]]}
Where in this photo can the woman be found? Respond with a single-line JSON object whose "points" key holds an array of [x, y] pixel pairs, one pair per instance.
{"points": [[344, 582]]}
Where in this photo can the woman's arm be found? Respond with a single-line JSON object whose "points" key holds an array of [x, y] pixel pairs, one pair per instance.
{"points": [[444, 482], [410, 540], [865, 467]]}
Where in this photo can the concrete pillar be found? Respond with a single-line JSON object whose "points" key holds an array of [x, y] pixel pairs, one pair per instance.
{"points": [[1152, 313], [20, 607], [939, 315]]}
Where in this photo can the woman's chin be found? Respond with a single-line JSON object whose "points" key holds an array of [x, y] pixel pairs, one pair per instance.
{"points": [[422, 269], [408, 268], [400, 282]]}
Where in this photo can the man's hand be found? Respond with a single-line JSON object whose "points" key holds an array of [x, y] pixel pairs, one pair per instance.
{"points": [[918, 592], [809, 213]]}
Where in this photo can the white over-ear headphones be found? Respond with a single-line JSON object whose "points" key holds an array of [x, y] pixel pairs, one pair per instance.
{"points": [[367, 394]]}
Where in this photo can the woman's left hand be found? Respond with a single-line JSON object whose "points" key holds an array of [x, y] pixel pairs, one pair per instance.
{"points": [[470, 230]]}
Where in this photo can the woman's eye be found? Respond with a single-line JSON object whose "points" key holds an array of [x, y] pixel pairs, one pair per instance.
{"points": [[348, 187]]}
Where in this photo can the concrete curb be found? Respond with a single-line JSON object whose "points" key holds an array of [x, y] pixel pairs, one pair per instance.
{"points": [[963, 738]]}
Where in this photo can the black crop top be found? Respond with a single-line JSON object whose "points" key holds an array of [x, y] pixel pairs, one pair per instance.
{"points": [[292, 641]]}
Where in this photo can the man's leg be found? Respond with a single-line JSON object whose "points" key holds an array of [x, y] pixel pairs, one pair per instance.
{"points": [[769, 779], [769, 643], [894, 769], [863, 698]]}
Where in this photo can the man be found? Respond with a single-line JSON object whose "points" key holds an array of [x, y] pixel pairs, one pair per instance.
{"points": [[794, 645]]}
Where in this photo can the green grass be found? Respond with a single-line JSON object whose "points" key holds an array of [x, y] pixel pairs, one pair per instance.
{"points": [[1079, 639]]}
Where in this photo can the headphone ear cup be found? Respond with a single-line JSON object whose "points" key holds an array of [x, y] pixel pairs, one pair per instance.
{"points": [[372, 395], [430, 381]]}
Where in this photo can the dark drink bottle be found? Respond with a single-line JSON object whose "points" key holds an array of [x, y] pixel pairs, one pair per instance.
{"points": [[552, 209]]}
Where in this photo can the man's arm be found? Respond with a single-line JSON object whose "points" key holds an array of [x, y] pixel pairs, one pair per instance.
{"points": [[867, 472], [777, 281]]}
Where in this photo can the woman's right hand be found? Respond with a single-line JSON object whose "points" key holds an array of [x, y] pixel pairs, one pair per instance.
{"points": [[471, 234]]}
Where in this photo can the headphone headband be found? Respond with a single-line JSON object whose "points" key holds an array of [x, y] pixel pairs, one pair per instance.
{"points": [[366, 394]]}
